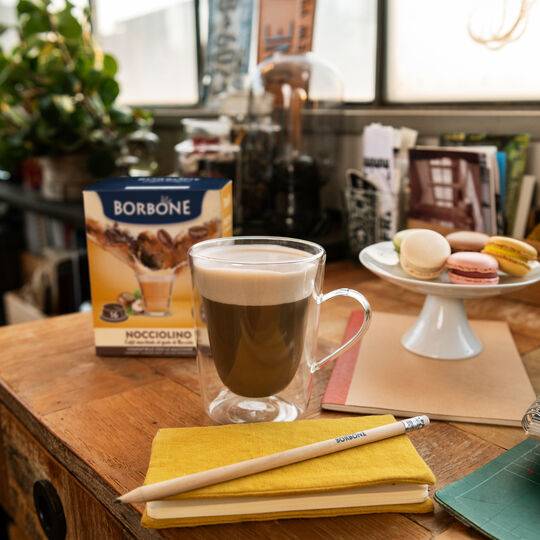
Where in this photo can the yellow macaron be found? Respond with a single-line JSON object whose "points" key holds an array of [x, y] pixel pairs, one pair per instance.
{"points": [[513, 255]]}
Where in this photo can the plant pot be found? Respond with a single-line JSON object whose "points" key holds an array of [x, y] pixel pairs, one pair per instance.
{"points": [[64, 177]]}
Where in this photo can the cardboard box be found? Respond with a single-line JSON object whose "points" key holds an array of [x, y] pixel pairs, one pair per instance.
{"points": [[139, 231]]}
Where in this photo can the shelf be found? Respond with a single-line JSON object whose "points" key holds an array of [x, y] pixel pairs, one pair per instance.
{"points": [[68, 212]]}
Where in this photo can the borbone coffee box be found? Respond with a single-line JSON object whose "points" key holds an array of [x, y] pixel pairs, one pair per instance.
{"points": [[139, 232]]}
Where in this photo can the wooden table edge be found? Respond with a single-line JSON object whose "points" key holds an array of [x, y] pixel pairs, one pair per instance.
{"points": [[127, 515]]}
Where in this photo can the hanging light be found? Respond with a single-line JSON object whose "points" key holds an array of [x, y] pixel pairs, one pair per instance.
{"points": [[494, 27]]}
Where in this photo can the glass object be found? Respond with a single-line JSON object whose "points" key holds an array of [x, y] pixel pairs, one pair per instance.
{"points": [[155, 43], [143, 145], [156, 293], [257, 302], [531, 420], [138, 154], [300, 85], [207, 150], [436, 59], [257, 136], [354, 57]]}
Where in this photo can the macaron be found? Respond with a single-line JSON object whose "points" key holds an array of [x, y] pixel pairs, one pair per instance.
{"points": [[472, 268], [512, 255], [399, 236], [467, 240], [423, 254]]}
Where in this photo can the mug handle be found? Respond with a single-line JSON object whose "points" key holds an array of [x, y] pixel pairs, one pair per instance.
{"points": [[366, 308]]}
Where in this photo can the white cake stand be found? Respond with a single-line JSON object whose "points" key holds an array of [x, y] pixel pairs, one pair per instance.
{"points": [[442, 329]]}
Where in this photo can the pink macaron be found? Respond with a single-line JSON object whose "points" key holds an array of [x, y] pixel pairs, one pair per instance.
{"points": [[472, 268]]}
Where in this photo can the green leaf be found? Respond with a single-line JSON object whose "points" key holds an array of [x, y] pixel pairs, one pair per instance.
{"points": [[44, 131], [64, 104], [50, 60], [110, 65], [83, 65], [108, 90], [31, 6], [91, 80], [34, 23], [5, 73], [121, 115], [68, 26], [3, 28], [15, 115]]}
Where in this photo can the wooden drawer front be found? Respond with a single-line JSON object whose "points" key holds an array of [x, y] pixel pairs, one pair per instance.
{"points": [[23, 461]]}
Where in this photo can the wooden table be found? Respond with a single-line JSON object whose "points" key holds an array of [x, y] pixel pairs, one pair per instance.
{"points": [[86, 424]]}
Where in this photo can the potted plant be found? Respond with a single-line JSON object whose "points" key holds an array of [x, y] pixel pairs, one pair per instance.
{"points": [[58, 94]]}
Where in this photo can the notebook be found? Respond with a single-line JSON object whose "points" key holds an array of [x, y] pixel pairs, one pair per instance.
{"points": [[381, 376], [501, 499], [386, 476]]}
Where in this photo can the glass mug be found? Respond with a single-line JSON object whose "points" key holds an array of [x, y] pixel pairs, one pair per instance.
{"points": [[257, 303]]}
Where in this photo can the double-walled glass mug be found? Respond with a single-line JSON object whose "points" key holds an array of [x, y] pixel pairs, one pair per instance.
{"points": [[257, 303]]}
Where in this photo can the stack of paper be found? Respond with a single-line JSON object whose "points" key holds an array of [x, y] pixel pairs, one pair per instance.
{"points": [[373, 194]]}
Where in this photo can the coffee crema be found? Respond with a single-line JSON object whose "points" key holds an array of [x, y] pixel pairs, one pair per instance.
{"points": [[256, 316]]}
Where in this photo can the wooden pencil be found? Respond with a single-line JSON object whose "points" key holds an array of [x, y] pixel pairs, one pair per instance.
{"points": [[174, 486]]}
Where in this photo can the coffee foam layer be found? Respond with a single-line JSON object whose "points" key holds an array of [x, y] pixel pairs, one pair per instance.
{"points": [[260, 283]]}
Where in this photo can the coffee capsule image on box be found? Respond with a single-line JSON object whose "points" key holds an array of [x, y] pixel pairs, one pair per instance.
{"points": [[113, 313]]}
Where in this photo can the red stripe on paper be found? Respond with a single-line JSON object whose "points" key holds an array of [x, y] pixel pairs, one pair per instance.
{"points": [[340, 380]]}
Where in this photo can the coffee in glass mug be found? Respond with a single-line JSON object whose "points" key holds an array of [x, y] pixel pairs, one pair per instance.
{"points": [[257, 302]]}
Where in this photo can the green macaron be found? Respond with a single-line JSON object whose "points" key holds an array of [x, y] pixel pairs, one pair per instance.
{"points": [[399, 236]]}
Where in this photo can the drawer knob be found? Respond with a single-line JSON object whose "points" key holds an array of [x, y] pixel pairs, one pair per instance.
{"points": [[49, 510]]}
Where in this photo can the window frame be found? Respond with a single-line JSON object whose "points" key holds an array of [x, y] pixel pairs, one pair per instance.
{"points": [[181, 108], [380, 101], [384, 102]]}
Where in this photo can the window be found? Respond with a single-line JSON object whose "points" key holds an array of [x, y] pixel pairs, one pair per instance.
{"points": [[7, 17], [430, 55], [345, 35], [155, 44], [432, 58]]}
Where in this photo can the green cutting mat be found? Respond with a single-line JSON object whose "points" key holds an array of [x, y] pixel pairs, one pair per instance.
{"points": [[501, 499]]}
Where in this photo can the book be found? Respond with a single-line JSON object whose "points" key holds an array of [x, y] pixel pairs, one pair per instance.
{"points": [[524, 205], [501, 499], [515, 148], [386, 476], [455, 186], [381, 376], [501, 162]]}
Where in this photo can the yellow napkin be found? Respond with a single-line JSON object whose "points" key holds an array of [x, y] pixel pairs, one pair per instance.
{"points": [[180, 451]]}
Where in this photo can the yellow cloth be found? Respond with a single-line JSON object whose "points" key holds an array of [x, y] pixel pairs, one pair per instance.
{"points": [[176, 452]]}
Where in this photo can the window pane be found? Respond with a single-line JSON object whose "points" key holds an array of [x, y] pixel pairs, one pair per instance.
{"points": [[7, 16], [432, 57], [155, 44], [345, 35]]}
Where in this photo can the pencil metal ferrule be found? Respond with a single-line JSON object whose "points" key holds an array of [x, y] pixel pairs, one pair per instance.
{"points": [[418, 422]]}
